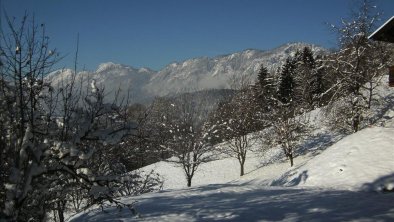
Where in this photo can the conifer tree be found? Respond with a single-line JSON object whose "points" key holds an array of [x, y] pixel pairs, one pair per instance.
{"points": [[262, 76], [287, 83], [317, 83], [265, 89], [307, 57], [307, 78]]}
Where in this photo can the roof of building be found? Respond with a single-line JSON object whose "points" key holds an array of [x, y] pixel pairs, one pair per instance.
{"points": [[385, 32]]}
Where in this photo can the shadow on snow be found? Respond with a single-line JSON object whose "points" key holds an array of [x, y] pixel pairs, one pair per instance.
{"points": [[246, 203]]}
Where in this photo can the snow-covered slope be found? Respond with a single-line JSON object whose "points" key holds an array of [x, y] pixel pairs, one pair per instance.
{"points": [[325, 187], [352, 163], [187, 76]]}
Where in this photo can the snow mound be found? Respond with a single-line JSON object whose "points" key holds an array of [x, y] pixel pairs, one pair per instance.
{"points": [[362, 160]]}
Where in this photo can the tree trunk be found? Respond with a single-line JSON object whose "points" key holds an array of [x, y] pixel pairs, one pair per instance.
{"points": [[189, 181], [370, 95], [242, 168], [356, 123], [60, 211], [291, 160]]}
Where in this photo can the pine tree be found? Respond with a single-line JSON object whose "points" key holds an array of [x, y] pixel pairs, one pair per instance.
{"points": [[307, 58], [307, 79], [265, 89], [287, 83], [262, 76], [317, 84]]}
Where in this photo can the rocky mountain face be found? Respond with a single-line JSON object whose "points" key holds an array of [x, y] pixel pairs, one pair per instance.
{"points": [[188, 76]]}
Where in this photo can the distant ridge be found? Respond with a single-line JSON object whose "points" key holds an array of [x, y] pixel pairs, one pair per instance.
{"points": [[190, 75]]}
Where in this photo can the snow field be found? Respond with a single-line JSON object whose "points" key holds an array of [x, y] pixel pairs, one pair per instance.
{"points": [[328, 186]]}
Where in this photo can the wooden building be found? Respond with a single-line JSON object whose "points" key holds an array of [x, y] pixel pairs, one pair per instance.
{"points": [[385, 33]]}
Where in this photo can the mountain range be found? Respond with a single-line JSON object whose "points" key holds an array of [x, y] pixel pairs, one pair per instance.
{"points": [[220, 72]]}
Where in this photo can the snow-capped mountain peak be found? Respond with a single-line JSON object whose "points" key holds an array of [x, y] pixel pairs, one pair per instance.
{"points": [[106, 66], [192, 74], [212, 73]]}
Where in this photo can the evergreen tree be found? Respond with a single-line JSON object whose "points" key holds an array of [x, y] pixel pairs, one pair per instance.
{"points": [[262, 76], [265, 89], [317, 83], [287, 83], [306, 78], [307, 58]]}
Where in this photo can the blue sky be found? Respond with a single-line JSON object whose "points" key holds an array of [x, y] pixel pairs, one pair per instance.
{"points": [[154, 33]]}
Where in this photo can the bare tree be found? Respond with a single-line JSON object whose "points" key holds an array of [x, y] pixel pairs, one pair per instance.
{"points": [[139, 149], [25, 59], [358, 67], [49, 135], [233, 122], [188, 138], [289, 128]]}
